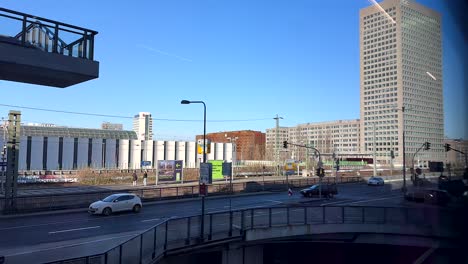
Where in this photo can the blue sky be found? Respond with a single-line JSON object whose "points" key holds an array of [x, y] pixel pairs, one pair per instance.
{"points": [[245, 59]]}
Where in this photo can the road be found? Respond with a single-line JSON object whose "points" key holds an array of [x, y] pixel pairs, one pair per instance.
{"points": [[46, 237]]}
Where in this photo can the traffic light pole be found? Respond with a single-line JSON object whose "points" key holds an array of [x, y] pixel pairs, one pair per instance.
{"points": [[424, 145], [285, 145]]}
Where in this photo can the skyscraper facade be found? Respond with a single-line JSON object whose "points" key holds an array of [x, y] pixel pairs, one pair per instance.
{"points": [[401, 82], [143, 126]]}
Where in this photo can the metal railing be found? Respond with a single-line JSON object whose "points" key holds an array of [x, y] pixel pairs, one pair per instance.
{"points": [[182, 233], [49, 35], [31, 203]]}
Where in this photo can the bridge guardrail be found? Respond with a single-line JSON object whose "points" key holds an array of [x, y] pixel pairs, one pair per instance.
{"points": [[184, 232]]}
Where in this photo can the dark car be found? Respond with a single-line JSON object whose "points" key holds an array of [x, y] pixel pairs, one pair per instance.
{"points": [[431, 196], [328, 190]]}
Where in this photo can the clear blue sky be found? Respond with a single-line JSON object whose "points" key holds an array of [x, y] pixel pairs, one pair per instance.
{"points": [[246, 59]]}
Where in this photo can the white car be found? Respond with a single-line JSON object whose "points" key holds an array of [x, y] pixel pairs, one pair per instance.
{"points": [[375, 181], [116, 203]]}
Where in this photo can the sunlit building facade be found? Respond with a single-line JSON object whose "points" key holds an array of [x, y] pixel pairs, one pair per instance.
{"points": [[401, 81]]}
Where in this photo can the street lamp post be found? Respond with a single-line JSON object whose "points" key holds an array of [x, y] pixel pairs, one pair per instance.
{"points": [[202, 222]]}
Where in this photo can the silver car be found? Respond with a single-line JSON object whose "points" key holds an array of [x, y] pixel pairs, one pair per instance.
{"points": [[376, 181], [116, 203]]}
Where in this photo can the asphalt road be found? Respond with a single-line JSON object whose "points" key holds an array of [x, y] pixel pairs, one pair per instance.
{"points": [[48, 237]]}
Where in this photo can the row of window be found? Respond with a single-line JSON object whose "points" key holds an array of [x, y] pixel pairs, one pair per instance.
{"points": [[376, 59]]}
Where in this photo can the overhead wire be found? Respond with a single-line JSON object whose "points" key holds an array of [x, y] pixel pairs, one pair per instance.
{"points": [[130, 117]]}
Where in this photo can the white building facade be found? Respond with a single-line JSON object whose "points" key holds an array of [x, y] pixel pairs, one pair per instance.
{"points": [[143, 126], [61, 148], [401, 81], [340, 137]]}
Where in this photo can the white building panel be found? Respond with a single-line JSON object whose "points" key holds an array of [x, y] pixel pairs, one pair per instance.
{"points": [[67, 155], [135, 154], [211, 155], [96, 153], [110, 151], [123, 153], [180, 151], [219, 151], [170, 150], [228, 151], [82, 160], [191, 148], [52, 153], [37, 145], [159, 151], [148, 152]]}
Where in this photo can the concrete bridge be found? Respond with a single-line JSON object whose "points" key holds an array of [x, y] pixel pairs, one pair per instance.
{"points": [[240, 235]]}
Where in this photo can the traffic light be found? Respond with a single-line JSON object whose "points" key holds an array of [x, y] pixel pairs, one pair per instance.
{"points": [[427, 146], [317, 172], [285, 144], [337, 165], [392, 154], [447, 147]]}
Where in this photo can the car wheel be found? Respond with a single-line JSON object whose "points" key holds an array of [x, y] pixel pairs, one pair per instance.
{"points": [[136, 208], [107, 211]]}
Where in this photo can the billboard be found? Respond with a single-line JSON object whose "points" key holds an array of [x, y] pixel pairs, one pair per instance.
{"points": [[217, 169], [169, 170]]}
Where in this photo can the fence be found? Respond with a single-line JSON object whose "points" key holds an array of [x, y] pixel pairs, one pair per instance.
{"points": [[182, 233], [49, 35], [83, 199]]}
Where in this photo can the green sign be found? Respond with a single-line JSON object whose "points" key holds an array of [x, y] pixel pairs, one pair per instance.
{"points": [[217, 169]]}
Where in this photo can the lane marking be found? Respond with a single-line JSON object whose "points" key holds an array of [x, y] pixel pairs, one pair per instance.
{"points": [[75, 229], [345, 201], [273, 201], [149, 220], [379, 199]]}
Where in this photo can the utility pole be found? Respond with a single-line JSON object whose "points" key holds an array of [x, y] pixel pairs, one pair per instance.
{"points": [[3, 159], [404, 150], [374, 149], [277, 118], [391, 156], [11, 185]]}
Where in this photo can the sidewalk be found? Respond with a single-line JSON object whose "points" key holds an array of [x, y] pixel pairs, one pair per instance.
{"points": [[121, 187]]}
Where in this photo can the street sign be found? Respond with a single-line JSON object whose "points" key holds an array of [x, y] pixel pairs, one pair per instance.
{"points": [[206, 173], [3, 163], [145, 163], [227, 168]]}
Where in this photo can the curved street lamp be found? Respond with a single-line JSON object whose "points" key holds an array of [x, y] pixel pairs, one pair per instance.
{"points": [[202, 222]]}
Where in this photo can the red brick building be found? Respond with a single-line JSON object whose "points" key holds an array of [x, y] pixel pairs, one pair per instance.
{"points": [[250, 145]]}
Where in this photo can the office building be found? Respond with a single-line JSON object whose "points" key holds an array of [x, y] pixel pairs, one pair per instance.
{"points": [[273, 147], [143, 126], [340, 137], [401, 81], [249, 144]]}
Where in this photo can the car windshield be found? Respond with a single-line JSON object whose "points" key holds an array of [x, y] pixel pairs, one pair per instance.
{"points": [[313, 187], [110, 198]]}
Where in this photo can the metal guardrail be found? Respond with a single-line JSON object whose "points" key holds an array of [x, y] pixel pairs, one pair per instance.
{"points": [[32, 203], [184, 232], [49, 35]]}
